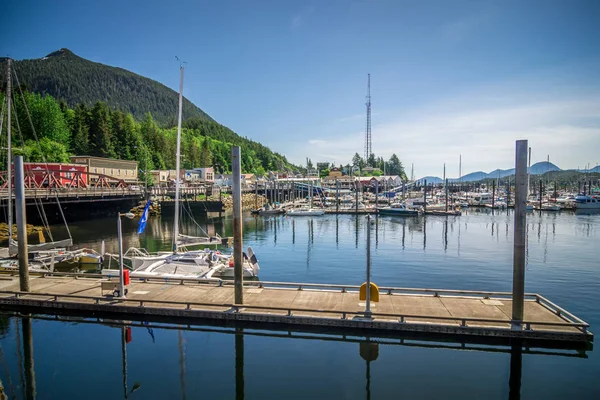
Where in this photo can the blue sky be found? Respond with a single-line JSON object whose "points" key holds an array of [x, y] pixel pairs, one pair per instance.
{"points": [[448, 77]]}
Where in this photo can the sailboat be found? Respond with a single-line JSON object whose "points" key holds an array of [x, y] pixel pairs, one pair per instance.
{"points": [[181, 263], [44, 255], [307, 211]]}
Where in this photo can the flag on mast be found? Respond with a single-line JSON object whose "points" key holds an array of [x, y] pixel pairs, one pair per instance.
{"points": [[144, 218]]}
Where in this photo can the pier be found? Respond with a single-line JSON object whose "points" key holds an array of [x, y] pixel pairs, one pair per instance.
{"points": [[301, 305]]}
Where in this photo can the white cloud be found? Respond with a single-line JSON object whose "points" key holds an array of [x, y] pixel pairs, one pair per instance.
{"points": [[567, 129]]}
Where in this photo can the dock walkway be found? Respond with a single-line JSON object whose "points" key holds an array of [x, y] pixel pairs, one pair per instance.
{"points": [[446, 312]]}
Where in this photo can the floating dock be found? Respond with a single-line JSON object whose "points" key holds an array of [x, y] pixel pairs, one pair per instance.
{"points": [[296, 305]]}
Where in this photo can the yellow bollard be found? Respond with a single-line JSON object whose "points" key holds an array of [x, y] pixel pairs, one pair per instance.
{"points": [[362, 294]]}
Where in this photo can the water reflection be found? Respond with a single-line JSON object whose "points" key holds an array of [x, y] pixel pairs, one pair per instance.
{"points": [[230, 360]]}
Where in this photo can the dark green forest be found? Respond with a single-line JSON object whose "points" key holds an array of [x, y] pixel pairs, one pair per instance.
{"points": [[75, 80]]}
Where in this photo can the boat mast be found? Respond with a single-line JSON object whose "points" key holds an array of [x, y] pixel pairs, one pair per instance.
{"points": [[177, 163], [9, 155], [529, 172]]}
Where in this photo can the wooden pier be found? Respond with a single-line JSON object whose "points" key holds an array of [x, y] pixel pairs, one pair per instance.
{"points": [[298, 305]]}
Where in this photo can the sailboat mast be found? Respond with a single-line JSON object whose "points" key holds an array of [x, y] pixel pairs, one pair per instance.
{"points": [[9, 154], [177, 163], [529, 172]]}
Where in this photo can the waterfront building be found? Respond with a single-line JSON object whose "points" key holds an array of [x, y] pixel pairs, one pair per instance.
{"points": [[118, 169]]}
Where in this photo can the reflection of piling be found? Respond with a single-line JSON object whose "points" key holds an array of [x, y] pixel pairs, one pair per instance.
{"points": [[28, 355], [520, 234], [516, 367], [239, 364]]}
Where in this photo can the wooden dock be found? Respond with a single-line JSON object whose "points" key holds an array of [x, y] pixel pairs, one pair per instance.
{"points": [[399, 311]]}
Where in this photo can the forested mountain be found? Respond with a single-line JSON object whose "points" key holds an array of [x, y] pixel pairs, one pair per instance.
{"points": [[110, 112], [66, 76]]}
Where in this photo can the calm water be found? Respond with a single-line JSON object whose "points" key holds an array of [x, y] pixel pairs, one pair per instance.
{"points": [[78, 359]]}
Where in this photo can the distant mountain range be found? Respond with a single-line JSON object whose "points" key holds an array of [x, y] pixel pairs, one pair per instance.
{"points": [[536, 169]]}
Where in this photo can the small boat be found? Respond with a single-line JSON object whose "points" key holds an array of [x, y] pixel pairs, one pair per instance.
{"points": [[549, 207], [271, 211], [398, 209], [306, 212]]}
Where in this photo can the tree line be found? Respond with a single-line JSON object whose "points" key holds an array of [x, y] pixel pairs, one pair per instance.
{"points": [[56, 131]]}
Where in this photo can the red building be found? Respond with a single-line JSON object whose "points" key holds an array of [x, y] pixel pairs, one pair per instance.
{"points": [[56, 174]]}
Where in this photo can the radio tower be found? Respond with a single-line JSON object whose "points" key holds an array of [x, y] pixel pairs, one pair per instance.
{"points": [[368, 148]]}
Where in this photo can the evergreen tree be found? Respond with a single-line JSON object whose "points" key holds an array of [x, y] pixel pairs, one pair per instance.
{"points": [[80, 130], [100, 132]]}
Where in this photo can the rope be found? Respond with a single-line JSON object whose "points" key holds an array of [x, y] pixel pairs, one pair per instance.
{"points": [[38, 202], [189, 212], [44, 217]]}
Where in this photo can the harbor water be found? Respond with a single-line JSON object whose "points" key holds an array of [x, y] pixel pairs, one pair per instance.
{"points": [[79, 358]]}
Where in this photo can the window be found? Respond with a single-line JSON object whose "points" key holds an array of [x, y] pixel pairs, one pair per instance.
{"points": [[119, 172]]}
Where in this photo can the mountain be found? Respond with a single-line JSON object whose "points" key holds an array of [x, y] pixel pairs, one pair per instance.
{"points": [[474, 176], [66, 76], [543, 167], [539, 168], [430, 179]]}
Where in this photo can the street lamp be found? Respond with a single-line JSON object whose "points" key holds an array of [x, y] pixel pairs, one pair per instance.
{"points": [[129, 215]]}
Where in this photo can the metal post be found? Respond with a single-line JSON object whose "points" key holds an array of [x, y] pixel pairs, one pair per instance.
{"points": [[368, 304], [446, 186], [520, 234], [337, 195], [21, 224], [424, 196], [238, 273], [376, 194], [541, 195], [256, 193], [121, 269], [356, 197]]}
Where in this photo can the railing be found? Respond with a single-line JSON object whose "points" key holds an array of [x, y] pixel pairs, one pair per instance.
{"points": [[570, 319], [291, 311], [47, 193]]}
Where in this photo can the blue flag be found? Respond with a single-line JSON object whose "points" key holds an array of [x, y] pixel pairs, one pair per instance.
{"points": [[144, 218]]}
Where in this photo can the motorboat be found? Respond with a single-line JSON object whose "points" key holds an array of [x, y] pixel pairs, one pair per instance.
{"points": [[583, 202], [305, 212], [566, 199], [398, 209], [268, 210]]}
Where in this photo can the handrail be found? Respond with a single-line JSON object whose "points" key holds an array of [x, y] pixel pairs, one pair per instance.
{"points": [[290, 310]]}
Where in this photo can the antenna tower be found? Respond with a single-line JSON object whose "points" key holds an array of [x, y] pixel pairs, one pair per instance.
{"points": [[368, 148]]}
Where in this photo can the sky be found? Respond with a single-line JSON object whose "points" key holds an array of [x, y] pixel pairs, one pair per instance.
{"points": [[448, 78]]}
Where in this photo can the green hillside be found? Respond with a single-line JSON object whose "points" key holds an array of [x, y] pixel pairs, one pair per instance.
{"points": [[82, 107], [66, 76]]}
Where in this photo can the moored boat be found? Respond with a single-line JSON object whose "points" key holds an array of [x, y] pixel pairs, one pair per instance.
{"points": [[397, 209]]}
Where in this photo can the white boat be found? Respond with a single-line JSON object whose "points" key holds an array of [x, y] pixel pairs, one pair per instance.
{"points": [[587, 202], [480, 199], [566, 199], [551, 207], [305, 212]]}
